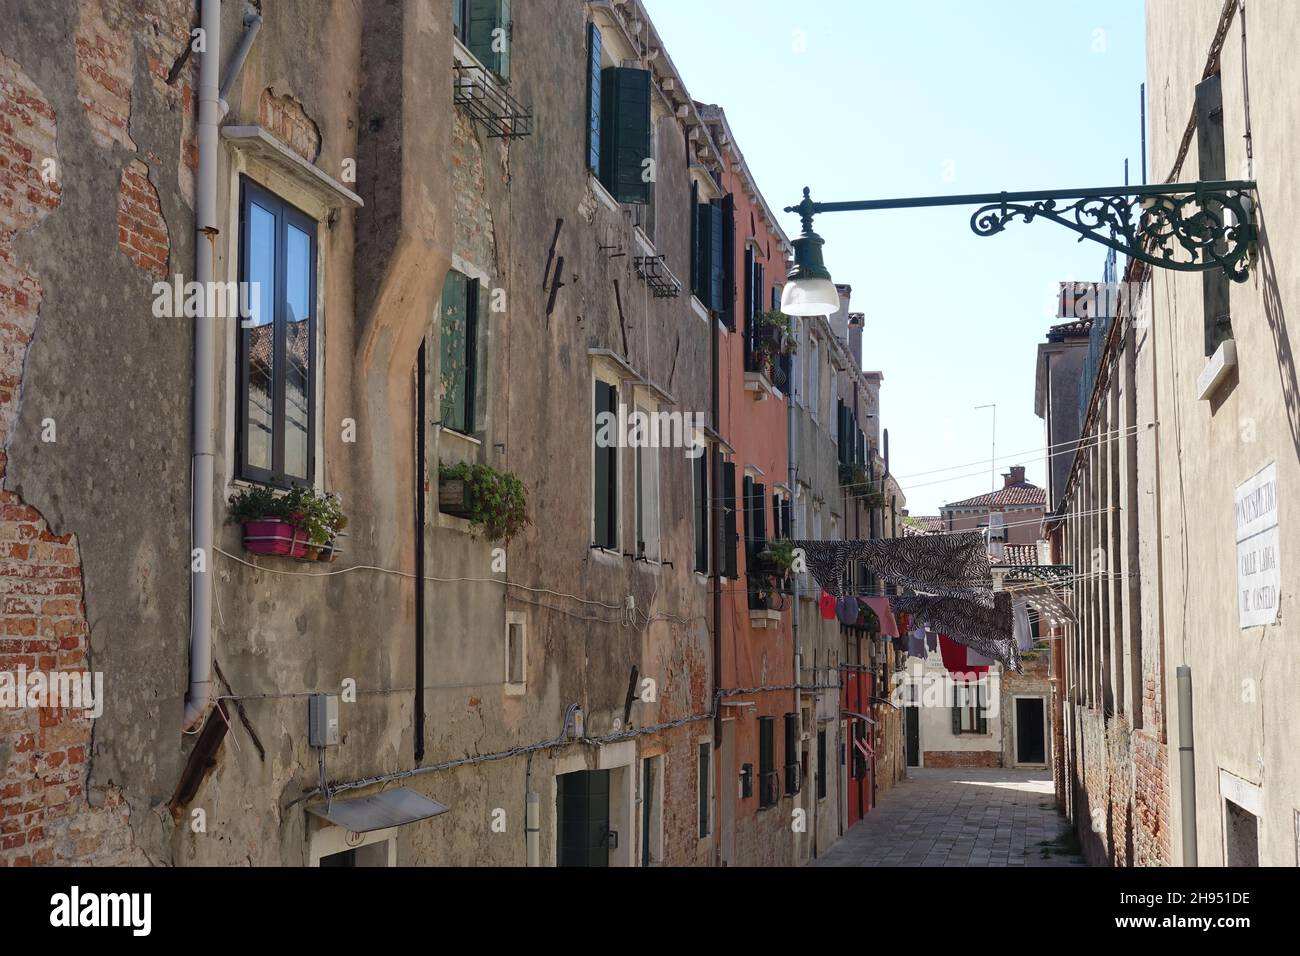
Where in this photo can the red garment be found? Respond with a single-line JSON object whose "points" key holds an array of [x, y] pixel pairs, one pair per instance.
{"points": [[954, 658], [827, 606], [888, 626]]}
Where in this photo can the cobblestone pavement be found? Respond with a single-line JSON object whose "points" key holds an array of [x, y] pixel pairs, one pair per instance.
{"points": [[961, 818]]}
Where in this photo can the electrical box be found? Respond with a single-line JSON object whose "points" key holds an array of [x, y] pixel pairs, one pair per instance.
{"points": [[323, 719]]}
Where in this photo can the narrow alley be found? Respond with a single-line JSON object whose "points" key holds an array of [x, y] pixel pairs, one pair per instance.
{"points": [[975, 817]]}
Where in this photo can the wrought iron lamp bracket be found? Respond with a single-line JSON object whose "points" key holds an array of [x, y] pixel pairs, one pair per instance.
{"points": [[1188, 227]]}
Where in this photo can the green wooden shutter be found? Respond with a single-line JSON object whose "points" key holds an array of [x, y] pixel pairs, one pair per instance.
{"points": [[625, 132], [760, 518], [766, 758], [749, 330], [821, 764], [606, 471], [791, 754], [702, 218], [701, 469], [958, 695], [458, 19], [695, 237], [593, 98], [729, 520], [489, 34], [717, 277], [747, 503], [729, 261], [981, 710]]}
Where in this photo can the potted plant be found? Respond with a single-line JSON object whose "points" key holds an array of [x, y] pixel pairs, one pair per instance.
{"points": [[775, 338], [495, 502], [776, 560], [300, 523], [853, 476], [267, 522]]}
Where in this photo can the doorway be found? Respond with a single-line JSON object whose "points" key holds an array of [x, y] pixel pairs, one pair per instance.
{"points": [[582, 812], [1031, 736], [912, 733]]}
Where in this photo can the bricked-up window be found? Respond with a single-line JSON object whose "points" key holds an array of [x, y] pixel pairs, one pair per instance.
{"points": [[970, 708], [277, 367], [606, 468], [625, 154], [769, 788], [485, 27], [705, 784], [458, 352]]}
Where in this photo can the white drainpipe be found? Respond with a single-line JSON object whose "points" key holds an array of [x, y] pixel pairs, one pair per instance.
{"points": [[202, 466]]}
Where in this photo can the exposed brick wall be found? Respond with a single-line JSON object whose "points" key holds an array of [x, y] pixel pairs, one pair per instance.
{"points": [[284, 118], [1151, 833], [141, 229], [45, 816], [961, 758], [104, 62]]}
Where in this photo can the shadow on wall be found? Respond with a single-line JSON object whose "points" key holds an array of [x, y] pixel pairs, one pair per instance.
{"points": [[1276, 316]]}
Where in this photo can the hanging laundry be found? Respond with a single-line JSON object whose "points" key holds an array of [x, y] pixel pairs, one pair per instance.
{"points": [[955, 565], [932, 642], [989, 630], [846, 609], [916, 644], [888, 626], [1024, 633], [975, 659], [955, 658], [826, 605]]}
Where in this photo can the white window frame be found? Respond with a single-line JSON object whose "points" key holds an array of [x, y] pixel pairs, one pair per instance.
{"points": [[329, 840]]}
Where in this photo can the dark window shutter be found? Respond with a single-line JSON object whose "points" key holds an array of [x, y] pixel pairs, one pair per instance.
{"points": [[760, 518], [717, 274], [701, 470], [729, 261], [766, 761], [729, 521], [758, 291], [1212, 160], [458, 19], [486, 17], [787, 519], [702, 217], [749, 300], [747, 502], [593, 98], [981, 710], [606, 471], [956, 709], [625, 132], [791, 754], [695, 238]]}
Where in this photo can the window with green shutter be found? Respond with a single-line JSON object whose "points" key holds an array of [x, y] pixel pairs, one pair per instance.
{"points": [[767, 791], [821, 763], [710, 275], [700, 472], [458, 352], [593, 98], [729, 261], [792, 754], [606, 469], [625, 132], [729, 520], [484, 27]]}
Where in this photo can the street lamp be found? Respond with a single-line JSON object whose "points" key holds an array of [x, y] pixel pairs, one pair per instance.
{"points": [[808, 289], [1188, 227]]}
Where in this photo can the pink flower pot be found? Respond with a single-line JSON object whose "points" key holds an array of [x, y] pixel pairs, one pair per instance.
{"points": [[272, 536]]}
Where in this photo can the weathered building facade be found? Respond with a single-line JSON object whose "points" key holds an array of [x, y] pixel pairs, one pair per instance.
{"points": [[1176, 507]]}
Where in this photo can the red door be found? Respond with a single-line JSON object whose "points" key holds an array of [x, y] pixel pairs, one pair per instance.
{"points": [[860, 758]]}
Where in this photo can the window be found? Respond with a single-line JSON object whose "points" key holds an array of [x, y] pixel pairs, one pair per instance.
{"points": [[605, 525], [729, 520], [769, 788], [277, 377], [652, 817], [647, 486], [593, 98], [516, 651], [814, 379], [624, 134], [700, 473], [970, 708], [458, 369], [643, 214], [791, 754], [484, 26], [710, 272], [705, 789], [821, 763]]}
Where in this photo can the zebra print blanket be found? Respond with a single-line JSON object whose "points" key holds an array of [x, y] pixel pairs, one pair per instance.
{"points": [[950, 565], [988, 630]]}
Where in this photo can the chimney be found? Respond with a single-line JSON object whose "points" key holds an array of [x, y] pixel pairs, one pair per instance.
{"points": [[1016, 476]]}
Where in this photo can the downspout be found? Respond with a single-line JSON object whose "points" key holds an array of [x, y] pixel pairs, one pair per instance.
{"points": [[717, 533], [199, 695], [1186, 764], [252, 26], [421, 471], [792, 481]]}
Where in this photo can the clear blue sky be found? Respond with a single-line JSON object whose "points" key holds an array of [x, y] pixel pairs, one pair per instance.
{"points": [[867, 99]]}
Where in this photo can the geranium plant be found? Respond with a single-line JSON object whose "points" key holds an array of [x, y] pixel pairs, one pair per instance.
{"points": [[495, 502]]}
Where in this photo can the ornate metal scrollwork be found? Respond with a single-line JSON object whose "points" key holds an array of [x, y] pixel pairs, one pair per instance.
{"points": [[1190, 228]]}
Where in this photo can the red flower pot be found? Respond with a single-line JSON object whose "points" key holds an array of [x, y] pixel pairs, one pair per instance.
{"points": [[272, 536]]}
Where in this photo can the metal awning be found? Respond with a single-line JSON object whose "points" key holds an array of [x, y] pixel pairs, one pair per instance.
{"points": [[379, 811]]}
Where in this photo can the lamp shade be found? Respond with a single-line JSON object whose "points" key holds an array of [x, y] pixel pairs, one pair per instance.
{"points": [[809, 297]]}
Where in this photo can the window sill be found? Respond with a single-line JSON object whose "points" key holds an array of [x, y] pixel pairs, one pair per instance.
{"points": [[603, 194], [1217, 369], [462, 436], [644, 241], [698, 308], [326, 190], [607, 556], [515, 690]]}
